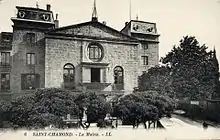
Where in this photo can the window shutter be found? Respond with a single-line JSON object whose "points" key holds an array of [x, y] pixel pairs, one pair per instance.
{"points": [[22, 81], [37, 81]]}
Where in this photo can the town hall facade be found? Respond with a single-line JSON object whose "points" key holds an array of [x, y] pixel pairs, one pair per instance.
{"points": [[85, 56]]}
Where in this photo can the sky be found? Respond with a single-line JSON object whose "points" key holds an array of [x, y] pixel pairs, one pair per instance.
{"points": [[174, 18]]}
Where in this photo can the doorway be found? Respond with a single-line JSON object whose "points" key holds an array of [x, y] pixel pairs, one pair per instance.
{"points": [[95, 74]]}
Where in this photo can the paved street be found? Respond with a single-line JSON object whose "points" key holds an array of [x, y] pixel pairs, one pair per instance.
{"points": [[180, 126], [176, 128]]}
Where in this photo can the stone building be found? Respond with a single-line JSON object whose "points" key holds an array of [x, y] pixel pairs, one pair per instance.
{"points": [[85, 56]]}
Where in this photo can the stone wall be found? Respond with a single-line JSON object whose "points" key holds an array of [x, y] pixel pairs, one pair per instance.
{"points": [[62, 51], [153, 56], [54, 51], [58, 53], [19, 50]]}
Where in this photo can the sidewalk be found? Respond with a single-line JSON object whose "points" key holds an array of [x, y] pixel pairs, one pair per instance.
{"points": [[195, 122]]}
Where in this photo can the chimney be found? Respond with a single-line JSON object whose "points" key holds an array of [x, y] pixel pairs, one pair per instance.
{"points": [[48, 7], [104, 22], [56, 21]]}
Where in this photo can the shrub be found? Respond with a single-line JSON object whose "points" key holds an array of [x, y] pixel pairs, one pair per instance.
{"points": [[96, 105], [103, 123], [5, 113], [42, 108]]}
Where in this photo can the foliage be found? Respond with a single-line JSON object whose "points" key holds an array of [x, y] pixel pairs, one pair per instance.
{"points": [[217, 94], [47, 106], [97, 107], [42, 108], [5, 108], [189, 71], [194, 70], [141, 107], [104, 123], [157, 78]]}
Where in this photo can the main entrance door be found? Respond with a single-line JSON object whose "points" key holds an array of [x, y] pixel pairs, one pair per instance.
{"points": [[95, 75]]}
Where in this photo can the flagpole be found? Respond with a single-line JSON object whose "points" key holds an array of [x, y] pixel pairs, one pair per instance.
{"points": [[130, 11]]}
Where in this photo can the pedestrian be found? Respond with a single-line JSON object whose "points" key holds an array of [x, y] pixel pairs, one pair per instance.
{"points": [[205, 125]]}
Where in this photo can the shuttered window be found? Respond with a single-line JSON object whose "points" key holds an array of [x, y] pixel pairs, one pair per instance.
{"points": [[5, 81], [30, 81], [5, 58]]}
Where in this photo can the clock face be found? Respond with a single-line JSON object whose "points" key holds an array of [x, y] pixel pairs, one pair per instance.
{"points": [[143, 28], [45, 17], [21, 14]]}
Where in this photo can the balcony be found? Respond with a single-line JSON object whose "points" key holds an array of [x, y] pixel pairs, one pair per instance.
{"points": [[5, 68], [95, 85]]}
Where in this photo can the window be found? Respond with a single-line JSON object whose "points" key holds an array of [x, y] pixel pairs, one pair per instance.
{"points": [[95, 74], [118, 75], [95, 52], [5, 81], [144, 60], [69, 76], [30, 58], [30, 81], [119, 78], [5, 58], [30, 38], [144, 47]]}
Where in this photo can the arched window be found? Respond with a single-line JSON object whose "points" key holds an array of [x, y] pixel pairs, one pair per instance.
{"points": [[95, 51], [119, 78], [69, 76]]}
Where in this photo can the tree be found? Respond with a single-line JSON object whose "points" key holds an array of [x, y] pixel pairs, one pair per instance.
{"points": [[96, 105], [214, 72], [48, 106], [42, 108], [5, 108], [217, 95], [194, 70], [142, 107], [157, 78]]}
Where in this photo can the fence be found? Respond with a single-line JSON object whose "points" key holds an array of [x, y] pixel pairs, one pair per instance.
{"points": [[204, 110]]}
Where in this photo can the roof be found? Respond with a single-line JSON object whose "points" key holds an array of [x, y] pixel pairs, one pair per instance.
{"points": [[142, 21], [31, 8], [8, 33], [129, 23], [92, 23]]}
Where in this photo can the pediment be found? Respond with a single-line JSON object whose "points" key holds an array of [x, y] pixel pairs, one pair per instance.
{"points": [[92, 29]]}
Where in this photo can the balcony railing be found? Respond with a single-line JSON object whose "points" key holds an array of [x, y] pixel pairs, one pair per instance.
{"points": [[95, 85]]}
